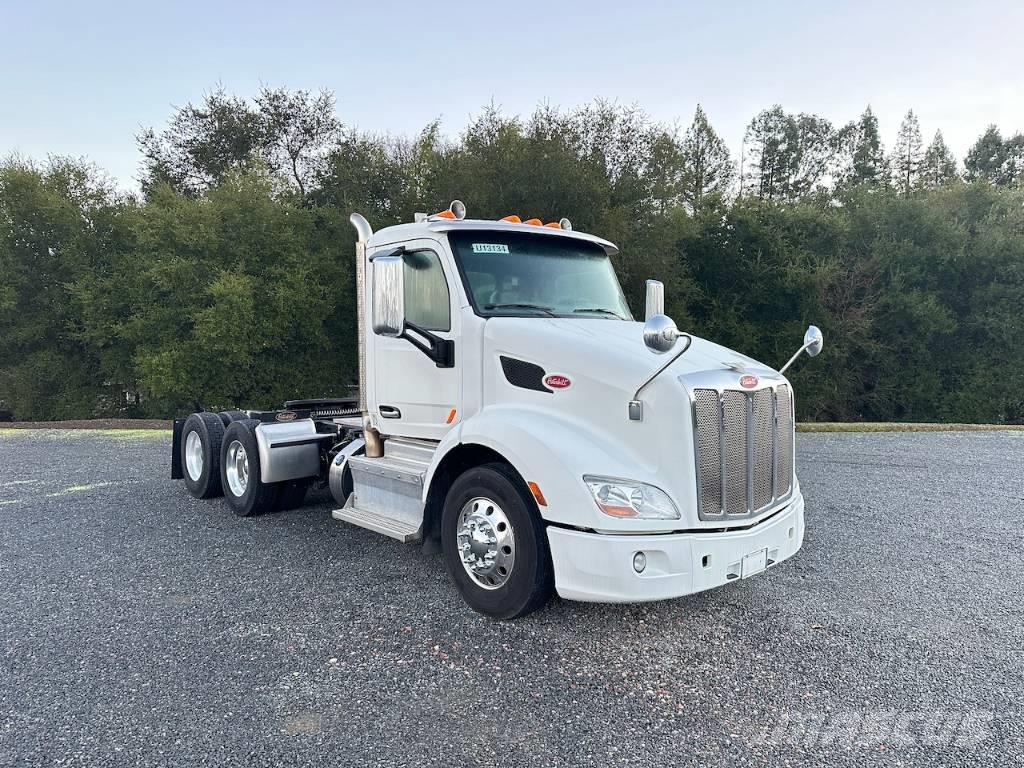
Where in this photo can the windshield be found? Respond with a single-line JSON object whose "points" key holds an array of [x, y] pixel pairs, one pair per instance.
{"points": [[510, 273]]}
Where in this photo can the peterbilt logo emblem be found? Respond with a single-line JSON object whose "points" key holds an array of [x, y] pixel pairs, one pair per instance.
{"points": [[286, 416], [749, 381], [557, 381]]}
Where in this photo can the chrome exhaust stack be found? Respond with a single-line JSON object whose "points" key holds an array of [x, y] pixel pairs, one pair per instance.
{"points": [[374, 445]]}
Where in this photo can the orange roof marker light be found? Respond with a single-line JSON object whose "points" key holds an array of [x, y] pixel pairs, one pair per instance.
{"points": [[534, 222], [456, 212], [511, 219]]}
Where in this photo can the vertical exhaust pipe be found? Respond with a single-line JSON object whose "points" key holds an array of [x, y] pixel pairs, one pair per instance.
{"points": [[655, 304], [374, 445]]}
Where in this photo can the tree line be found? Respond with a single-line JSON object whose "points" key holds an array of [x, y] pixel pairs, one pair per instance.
{"points": [[228, 279]]}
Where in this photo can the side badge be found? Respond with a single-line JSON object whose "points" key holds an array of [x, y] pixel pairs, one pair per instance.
{"points": [[286, 416], [557, 381]]}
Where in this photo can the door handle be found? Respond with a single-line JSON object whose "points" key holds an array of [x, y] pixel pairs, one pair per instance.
{"points": [[389, 412]]}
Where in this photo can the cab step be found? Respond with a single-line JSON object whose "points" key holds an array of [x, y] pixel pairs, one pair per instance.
{"points": [[397, 529]]}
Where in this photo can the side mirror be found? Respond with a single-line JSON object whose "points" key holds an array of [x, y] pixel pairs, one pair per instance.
{"points": [[655, 304], [660, 333], [388, 295], [813, 342]]}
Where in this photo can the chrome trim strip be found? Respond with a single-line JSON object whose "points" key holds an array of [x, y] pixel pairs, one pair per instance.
{"points": [[723, 508], [749, 402]]}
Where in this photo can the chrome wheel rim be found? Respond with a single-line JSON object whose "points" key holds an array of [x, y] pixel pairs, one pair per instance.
{"points": [[194, 456], [487, 543], [236, 468]]}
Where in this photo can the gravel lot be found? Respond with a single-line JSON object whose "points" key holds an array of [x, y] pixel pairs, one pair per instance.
{"points": [[139, 626]]}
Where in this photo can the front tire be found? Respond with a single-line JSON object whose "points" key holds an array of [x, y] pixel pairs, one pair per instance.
{"points": [[244, 491], [201, 438], [495, 547]]}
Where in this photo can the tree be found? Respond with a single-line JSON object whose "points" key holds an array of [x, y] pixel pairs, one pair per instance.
{"points": [[298, 130], [201, 144], [56, 223], [938, 166], [789, 155], [706, 168], [907, 155], [1013, 166], [996, 161], [863, 156], [289, 132], [984, 160]]}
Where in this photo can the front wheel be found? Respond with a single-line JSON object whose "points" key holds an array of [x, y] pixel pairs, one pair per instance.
{"points": [[495, 547]]}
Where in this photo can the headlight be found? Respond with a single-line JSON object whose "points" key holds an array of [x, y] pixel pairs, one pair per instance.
{"points": [[626, 498]]}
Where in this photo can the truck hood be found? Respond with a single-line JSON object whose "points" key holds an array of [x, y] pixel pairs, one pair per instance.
{"points": [[611, 350]]}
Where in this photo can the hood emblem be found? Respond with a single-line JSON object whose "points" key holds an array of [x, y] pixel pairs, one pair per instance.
{"points": [[557, 381], [749, 381]]}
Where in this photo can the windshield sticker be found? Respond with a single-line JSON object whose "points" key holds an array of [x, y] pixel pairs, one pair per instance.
{"points": [[490, 248]]}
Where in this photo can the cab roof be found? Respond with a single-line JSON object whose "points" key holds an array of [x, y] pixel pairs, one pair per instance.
{"points": [[401, 232]]}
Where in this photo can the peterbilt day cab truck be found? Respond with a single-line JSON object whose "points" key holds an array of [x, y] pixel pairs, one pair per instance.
{"points": [[511, 412]]}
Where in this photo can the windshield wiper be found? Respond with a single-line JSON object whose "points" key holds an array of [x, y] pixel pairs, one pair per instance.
{"points": [[602, 310], [517, 305]]}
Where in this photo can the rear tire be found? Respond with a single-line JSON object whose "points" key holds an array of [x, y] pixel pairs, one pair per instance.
{"points": [[228, 416], [495, 546], [244, 491], [201, 438]]}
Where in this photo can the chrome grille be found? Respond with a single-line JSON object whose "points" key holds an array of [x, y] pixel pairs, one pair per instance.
{"points": [[762, 428], [784, 434], [709, 447], [734, 442], [744, 443]]}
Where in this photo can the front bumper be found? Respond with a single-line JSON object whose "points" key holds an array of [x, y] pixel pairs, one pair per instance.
{"points": [[599, 568]]}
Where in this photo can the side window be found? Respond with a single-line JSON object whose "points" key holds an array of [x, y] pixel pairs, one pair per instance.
{"points": [[426, 291]]}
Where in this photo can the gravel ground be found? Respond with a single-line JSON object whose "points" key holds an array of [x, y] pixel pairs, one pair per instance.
{"points": [[139, 626]]}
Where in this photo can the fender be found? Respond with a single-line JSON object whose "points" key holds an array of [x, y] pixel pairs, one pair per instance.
{"points": [[554, 452]]}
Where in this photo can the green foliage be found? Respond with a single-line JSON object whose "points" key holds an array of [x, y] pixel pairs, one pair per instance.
{"points": [[787, 156], [231, 282], [287, 132], [996, 161], [861, 155], [907, 156], [939, 165]]}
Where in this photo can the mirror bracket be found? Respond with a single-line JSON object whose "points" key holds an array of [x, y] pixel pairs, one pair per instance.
{"points": [[441, 351]]}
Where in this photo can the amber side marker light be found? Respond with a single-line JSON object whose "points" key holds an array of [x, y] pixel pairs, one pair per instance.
{"points": [[451, 416], [535, 490]]}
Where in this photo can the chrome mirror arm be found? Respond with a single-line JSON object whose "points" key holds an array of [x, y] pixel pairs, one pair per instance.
{"points": [[813, 342], [793, 358]]}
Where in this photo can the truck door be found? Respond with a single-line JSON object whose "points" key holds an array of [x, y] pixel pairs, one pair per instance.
{"points": [[411, 396]]}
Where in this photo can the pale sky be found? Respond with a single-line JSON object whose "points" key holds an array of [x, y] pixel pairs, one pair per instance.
{"points": [[83, 78]]}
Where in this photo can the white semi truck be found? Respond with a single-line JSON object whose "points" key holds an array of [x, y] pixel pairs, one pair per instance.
{"points": [[512, 413]]}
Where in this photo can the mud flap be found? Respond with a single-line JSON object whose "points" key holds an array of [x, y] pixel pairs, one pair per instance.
{"points": [[176, 473]]}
